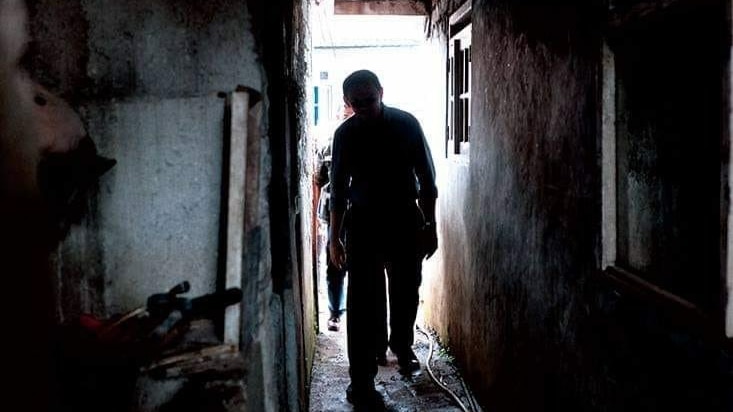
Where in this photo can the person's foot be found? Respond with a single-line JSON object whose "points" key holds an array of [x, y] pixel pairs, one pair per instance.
{"points": [[364, 398], [408, 362], [382, 359], [334, 322]]}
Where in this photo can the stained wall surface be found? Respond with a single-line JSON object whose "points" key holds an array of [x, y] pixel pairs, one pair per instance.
{"points": [[519, 296], [145, 77]]}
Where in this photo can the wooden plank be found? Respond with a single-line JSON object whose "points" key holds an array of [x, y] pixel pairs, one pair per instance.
{"points": [[728, 204], [380, 7], [609, 224], [679, 309], [222, 359], [235, 210], [461, 15], [230, 365], [189, 356], [640, 287]]}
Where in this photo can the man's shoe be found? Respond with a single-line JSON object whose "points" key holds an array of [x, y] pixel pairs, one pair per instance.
{"points": [[408, 362], [334, 323], [365, 398], [382, 359]]}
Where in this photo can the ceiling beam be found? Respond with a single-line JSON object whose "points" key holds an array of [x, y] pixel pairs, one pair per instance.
{"points": [[380, 7]]}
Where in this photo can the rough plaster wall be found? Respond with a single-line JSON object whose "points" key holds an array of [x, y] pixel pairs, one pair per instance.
{"points": [[292, 272], [280, 29], [305, 156], [523, 312], [159, 207], [130, 66], [305, 299], [309, 258], [169, 47], [515, 271], [262, 311], [145, 76]]}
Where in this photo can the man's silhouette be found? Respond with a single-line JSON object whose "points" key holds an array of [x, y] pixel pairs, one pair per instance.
{"points": [[381, 159]]}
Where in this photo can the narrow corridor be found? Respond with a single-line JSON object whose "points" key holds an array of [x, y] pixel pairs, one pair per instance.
{"points": [[419, 392]]}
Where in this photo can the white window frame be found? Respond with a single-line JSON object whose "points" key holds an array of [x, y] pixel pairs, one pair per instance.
{"points": [[458, 106], [620, 277]]}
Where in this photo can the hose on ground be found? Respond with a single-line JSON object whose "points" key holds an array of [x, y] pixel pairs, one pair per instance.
{"points": [[436, 380]]}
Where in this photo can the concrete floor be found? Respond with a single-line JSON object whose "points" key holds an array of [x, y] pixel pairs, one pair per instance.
{"points": [[415, 393]]}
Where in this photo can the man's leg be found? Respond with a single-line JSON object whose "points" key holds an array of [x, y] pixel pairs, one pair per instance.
{"points": [[380, 319], [364, 267], [404, 269], [404, 281], [360, 324]]}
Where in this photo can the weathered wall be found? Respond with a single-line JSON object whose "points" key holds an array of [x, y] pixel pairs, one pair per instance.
{"points": [[302, 183], [159, 207], [282, 35], [146, 76], [532, 173], [518, 299]]}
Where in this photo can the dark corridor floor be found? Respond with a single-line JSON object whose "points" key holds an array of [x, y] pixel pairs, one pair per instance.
{"points": [[415, 393]]}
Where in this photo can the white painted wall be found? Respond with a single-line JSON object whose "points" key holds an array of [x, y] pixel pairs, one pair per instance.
{"points": [[159, 206]]}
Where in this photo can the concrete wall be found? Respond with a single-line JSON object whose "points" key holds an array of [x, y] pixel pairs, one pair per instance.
{"points": [[519, 299], [306, 321], [145, 76], [532, 175], [281, 29], [159, 207]]}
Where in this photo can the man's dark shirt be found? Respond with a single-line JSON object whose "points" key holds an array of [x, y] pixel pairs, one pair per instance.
{"points": [[380, 163]]}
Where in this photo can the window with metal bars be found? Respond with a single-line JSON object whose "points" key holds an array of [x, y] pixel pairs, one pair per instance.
{"points": [[459, 93]]}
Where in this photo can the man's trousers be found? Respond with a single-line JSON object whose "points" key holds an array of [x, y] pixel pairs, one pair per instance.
{"points": [[379, 240]]}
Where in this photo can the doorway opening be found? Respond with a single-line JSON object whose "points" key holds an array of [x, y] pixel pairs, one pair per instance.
{"points": [[411, 69], [413, 72]]}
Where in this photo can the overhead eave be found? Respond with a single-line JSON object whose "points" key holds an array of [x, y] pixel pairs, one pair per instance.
{"points": [[380, 7]]}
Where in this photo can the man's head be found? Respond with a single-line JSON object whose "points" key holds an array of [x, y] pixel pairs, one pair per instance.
{"points": [[363, 93]]}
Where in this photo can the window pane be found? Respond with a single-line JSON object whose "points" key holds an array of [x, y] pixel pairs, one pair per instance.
{"points": [[668, 143]]}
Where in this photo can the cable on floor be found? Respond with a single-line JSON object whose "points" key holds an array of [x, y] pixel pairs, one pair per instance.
{"points": [[436, 380]]}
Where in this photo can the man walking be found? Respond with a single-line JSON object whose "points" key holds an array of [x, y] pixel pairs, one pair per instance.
{"points": [[381, 159]]}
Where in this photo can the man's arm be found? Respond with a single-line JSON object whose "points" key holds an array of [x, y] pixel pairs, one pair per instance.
{"points": [[338, 254], [425, 171], [427, 206], [429, 231], [338, 201]]}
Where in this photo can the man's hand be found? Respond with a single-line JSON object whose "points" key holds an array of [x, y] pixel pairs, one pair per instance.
{"points": [[338, 255], [429, 239]]}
